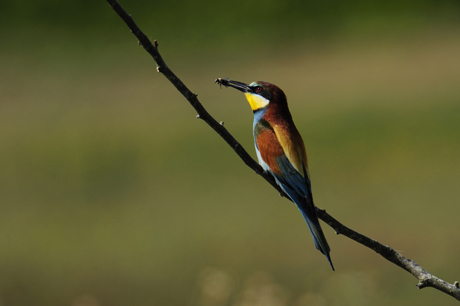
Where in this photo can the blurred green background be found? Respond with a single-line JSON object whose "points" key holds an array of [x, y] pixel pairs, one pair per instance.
{"points": [[112, 193]]}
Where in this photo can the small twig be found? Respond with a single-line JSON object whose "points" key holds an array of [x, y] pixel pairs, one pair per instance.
{"points": [[425, 278]]}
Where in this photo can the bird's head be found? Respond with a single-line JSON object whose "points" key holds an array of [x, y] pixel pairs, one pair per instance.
{"points": [[259, 94]]}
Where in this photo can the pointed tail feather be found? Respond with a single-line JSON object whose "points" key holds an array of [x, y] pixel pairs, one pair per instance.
{"points": [[318, 235]]}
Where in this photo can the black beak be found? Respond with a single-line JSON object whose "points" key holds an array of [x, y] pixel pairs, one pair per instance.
{"points": [[237, 85]]}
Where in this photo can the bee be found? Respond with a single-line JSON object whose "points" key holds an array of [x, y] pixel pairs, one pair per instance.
{"points": [[221, 81]]}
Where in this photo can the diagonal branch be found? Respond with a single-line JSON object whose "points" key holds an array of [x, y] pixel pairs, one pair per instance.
{"points": [[424, 277], [152, 49]]}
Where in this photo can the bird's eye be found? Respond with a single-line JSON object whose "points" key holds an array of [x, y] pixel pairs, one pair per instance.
{"points": [[259, 89]]}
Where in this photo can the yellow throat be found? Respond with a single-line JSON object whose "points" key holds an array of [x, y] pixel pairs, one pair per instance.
{"points": [[256, 101]]}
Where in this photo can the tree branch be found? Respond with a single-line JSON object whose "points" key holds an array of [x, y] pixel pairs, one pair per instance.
{"points": [[152, 49], [425, 278]]}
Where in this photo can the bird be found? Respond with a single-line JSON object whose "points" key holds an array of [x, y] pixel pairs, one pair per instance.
{"points": [[281, 151]]}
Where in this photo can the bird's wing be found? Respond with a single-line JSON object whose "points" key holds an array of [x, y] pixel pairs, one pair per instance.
{"points": [[293, 147], [294, 162], [284, 153]]}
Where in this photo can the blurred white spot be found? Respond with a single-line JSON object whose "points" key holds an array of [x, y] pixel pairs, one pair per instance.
{"points": [[216, 287], [261, 290]]}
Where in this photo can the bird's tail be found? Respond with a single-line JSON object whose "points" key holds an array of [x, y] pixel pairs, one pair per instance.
{"points": [[315, 229]]}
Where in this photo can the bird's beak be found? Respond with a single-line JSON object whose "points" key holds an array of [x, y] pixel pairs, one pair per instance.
{"points": [[237, 85]]}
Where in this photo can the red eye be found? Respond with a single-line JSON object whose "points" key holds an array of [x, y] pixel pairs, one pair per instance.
{"points": [[259, 89]]}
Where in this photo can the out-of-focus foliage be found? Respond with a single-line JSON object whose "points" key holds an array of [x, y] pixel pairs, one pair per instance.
{"points": [[208, 21]]}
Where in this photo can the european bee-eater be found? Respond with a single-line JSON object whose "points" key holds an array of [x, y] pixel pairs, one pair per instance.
{"points": [[281, 151]]}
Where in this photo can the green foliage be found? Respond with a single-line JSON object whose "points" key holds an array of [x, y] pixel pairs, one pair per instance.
{"points": [[209, 22]]}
